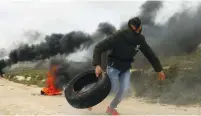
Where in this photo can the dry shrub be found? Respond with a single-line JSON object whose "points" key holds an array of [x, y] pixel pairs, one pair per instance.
{"points": [[182, 86]]}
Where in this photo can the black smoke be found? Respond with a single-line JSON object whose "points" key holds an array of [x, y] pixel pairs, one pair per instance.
{"points": [[106, 28], [169, 37], [180, 34], [54, 44], [63, 44], [67, 69], [58, 43], [149, 12]]}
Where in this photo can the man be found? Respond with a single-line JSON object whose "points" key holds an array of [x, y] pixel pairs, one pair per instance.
{"points": [[123, 46]]}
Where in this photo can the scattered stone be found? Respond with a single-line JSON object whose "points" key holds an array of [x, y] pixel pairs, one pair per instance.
{"points": [[19, 78], [43, 80], [33, 94], [28, 78]]}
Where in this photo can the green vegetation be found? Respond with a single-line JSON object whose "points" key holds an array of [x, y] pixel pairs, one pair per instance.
{"points": [[182, 86], [31, 77]]}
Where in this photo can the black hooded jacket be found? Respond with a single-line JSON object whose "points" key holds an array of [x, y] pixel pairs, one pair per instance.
{"points": [[123, 46]]}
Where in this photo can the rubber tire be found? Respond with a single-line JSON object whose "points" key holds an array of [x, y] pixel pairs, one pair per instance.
{"points": [[91, 97]]}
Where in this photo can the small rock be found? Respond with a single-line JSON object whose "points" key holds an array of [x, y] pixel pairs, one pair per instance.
{"points": [[28, 78], [33, 94], [19, 78], [43, 80]]}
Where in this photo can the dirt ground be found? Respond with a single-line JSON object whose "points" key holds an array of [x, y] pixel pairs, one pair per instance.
{"points": [[18, 99]]}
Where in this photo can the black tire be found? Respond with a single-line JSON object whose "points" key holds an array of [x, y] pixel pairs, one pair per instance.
{"points": [[91, 97]]}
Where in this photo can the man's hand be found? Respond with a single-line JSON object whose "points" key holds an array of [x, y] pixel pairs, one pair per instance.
{"points": [[98, 70], [161, 75]]}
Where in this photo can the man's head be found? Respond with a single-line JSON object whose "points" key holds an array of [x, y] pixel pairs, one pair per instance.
{"points": [[135, 24]]}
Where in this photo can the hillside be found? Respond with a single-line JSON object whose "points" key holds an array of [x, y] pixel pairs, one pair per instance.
{"points": [[181, 87]]}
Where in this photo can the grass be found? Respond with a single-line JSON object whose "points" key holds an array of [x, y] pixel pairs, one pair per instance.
{"points": [[37, 76], [182, 86]]}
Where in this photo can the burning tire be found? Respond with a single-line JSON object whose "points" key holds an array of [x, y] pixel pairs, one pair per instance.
{"points": [[86, 90]]}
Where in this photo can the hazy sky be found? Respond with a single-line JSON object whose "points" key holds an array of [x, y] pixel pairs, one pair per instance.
{"points": [[47, 16]]}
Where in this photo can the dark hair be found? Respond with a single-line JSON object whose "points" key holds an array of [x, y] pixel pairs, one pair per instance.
{"points": [[135, 21]]}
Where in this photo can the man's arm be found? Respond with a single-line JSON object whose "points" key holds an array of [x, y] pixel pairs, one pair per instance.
{"points": [[151, 56], [103, 46]]}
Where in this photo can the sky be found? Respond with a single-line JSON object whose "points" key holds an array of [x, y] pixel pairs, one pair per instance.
{"points": [[59, 16]]}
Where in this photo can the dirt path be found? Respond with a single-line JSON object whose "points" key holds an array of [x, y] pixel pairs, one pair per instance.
{"points": [[22, 100]]}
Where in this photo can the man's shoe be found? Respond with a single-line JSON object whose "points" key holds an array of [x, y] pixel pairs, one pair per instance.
{"points": [[112, 111]]}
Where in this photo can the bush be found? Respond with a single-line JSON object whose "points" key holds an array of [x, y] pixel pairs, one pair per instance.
{"points": [[182, 86], [36, 77]]}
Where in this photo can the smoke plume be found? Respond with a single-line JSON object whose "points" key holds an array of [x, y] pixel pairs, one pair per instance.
{"points": [[181, 40], [149, 11], [54, 44], [180, 34], [68, 69]]}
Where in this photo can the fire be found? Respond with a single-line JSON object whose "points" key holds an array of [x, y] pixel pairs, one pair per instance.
{"points": [[50, 88]]}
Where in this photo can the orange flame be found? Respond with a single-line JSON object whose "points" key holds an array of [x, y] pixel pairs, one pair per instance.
{"points": [[50, 88]]}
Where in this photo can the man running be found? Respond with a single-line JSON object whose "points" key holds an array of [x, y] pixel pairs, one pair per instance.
{"points": [[123, 46]]}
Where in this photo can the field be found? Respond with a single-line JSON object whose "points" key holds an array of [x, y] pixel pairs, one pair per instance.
{"points": [[182, 86]]}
